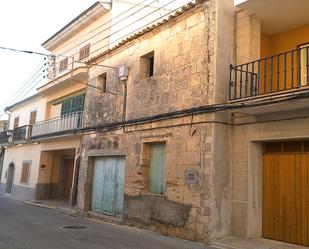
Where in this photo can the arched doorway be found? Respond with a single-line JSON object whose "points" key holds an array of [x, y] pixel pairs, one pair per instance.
{"points": [[10, 177]]}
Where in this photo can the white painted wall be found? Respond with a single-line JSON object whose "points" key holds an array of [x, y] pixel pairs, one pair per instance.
{"points": [[18, 154], [23, 111]]}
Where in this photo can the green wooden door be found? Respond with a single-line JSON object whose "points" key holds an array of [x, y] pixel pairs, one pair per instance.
{"points": [[157, 168], [108, 185]]}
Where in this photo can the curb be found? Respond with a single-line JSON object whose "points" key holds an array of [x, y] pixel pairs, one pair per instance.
{"points": [[34, 203]]}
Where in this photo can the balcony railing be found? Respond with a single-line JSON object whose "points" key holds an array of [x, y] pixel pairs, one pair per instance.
{"points": [[60, 124], [274, 74], [4, 137], [21, 133]]}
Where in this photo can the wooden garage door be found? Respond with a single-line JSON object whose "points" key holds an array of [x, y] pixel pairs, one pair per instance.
{"points": [[286, 194]]}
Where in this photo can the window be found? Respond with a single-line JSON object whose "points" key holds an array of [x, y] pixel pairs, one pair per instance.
{"points": [[25, 172], [16, 122], [84, 52], [32, 118], [74, 104], [63, 65], [157, 179], [101, 83], [147, 65]]}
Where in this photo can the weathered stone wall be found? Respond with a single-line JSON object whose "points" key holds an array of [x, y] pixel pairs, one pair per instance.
{"points": [[186, 60], [185, 208], [183, 71]]}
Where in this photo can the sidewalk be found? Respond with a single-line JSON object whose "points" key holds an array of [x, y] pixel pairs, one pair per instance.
{"points": [[241, 243]]}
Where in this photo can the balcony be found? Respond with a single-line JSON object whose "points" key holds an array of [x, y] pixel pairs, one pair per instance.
{"points": [[22, 133], [4, 137], [62, 72], [283, 73], [59, 125]]}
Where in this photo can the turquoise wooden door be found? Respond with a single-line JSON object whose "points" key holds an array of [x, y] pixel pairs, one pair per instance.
{"points": [[157, 168], [108, 185]]}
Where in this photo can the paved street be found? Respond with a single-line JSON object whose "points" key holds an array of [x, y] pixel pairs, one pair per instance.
{"points": [[29, 227]]}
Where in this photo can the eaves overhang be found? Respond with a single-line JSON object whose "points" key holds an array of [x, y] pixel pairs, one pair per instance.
{"points": [[147, 29], [88, 16], [277, 16], [29, 99]]}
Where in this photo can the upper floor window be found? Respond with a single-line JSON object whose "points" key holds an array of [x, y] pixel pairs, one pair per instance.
{"points": [[63, 65], [16, 122], [147, 65], [84, 52], [73, 104], [101, 83]]}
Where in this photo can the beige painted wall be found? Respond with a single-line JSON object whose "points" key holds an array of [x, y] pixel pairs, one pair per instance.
{"points": [[246, 164], [61, 143], [96, 33]]}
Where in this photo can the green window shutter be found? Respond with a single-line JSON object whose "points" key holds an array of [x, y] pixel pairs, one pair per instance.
{"points": [[74, 104], [157, 168]]}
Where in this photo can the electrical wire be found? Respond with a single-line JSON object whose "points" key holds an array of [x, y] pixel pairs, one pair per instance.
{"points": [[28, 85], [106, 37], [127, 35], [32, 52], [33, 85], [25, 51], [132, 32], [26, 82], [109, 21], [194, 111]]}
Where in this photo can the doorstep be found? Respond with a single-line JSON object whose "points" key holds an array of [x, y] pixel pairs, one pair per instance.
{"points": [[242, 243]]}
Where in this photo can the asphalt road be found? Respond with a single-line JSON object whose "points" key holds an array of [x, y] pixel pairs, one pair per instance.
{"points": [[28, 227]]}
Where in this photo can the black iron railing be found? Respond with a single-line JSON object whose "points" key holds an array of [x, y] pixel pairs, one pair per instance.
{"points": [[274, 74], [4, 137], [22, 133]]}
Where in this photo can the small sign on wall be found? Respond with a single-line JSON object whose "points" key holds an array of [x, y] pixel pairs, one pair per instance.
{"points": [[192, 177]]}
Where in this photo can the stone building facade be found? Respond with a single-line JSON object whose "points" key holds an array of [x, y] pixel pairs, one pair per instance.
{"points": [[188, 54]]}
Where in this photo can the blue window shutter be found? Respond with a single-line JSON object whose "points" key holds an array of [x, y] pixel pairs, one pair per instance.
{"points": [[157, 168]]}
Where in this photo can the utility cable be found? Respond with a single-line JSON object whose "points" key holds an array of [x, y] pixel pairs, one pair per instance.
{"points": [[26, 85], [106, 29], [134, 22], [25, 51], [34, 83]]}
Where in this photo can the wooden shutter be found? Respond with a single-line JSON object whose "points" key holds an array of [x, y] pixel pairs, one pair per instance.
{"points": [[16, 122], [157, 168], [25, 172], [84, 52], [63, 65], [32, 118]]}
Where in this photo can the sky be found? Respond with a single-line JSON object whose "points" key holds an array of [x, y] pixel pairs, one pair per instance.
{"points": [[25, 25]]}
